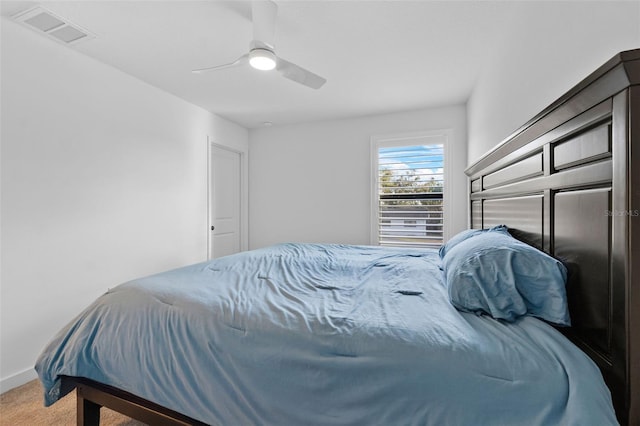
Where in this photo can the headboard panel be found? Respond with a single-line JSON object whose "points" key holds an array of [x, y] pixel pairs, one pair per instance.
{"points": [[568, 182], [526, 210]]}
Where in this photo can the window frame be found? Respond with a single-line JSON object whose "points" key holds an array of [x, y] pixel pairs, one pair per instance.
{"points": [[425, 137]]}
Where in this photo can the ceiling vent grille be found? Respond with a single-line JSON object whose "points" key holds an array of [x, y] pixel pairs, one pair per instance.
{"points": [[48, 23]]}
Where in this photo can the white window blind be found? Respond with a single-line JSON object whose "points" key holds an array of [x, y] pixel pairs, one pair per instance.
{"points": [[410, 187]]}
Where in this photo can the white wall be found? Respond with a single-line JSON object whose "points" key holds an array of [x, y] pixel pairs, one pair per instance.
{"points": [[547, 49], [104, 179], [311, 182]]}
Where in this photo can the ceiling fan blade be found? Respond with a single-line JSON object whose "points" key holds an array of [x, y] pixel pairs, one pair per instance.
{"points": [[240, 61], [264, 13], [299, 74]]}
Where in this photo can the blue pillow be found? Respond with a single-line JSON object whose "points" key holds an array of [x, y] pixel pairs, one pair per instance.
{"points": [[465, 235], [493, 273]]}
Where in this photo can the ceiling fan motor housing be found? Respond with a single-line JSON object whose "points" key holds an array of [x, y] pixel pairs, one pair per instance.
{"points": [[262, 59]]}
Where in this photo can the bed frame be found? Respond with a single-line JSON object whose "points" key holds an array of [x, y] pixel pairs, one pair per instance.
{"points": [[91, 396], [567, 182]]}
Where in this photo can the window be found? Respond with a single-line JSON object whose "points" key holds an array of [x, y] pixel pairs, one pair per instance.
{"points": [[409, 181]]}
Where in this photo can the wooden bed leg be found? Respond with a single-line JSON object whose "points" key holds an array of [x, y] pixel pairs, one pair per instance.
{"points": [[88, 412]]}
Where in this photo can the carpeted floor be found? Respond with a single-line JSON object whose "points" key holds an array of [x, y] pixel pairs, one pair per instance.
{"points": [[23, 406]]}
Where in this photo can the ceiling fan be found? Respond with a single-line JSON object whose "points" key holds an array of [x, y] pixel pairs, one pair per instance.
{"points": [[262, 54]]}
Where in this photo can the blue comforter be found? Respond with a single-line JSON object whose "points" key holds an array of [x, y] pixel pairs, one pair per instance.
{"points": [[309, 334]]}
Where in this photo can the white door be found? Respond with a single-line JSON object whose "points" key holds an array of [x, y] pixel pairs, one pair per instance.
{"points": [[224, 206]]}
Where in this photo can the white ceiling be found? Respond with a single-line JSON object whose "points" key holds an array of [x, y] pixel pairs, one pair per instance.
{"points": [[377, 56]]}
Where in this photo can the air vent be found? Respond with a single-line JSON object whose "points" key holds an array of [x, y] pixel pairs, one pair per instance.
{"points": [[48, 23]]}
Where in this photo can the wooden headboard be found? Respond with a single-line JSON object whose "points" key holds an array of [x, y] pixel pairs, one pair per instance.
{"points": [[568, 182]]}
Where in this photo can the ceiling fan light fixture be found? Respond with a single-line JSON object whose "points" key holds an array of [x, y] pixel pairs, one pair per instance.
{"points": [[262, 59], [261, 53]]}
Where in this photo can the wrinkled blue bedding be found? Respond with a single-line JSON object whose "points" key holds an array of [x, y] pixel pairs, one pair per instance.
{"points": [[316, 334]]}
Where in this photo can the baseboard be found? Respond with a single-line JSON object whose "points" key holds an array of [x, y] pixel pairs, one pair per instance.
{"points": [[17, 379]]}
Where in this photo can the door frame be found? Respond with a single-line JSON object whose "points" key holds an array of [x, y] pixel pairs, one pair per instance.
{"points": [[244, 194]]}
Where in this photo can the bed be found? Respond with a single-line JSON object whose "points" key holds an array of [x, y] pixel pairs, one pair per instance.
{"points": [[327, 334], [337, 334]]}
